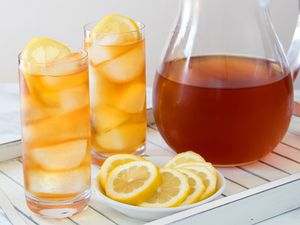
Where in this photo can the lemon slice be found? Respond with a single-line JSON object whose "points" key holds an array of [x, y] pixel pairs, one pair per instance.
{"points": [[198, 164], [172, 192], [133, 182], [196, 184], [185, 157], [44, 50], [116, 29], [208, 177], [112, 162]]}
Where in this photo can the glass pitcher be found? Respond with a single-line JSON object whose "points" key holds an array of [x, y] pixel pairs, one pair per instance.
{"points": [[223, 88]]}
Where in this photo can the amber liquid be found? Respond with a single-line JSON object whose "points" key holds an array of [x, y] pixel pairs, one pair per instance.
{"points": [[56, 138], [118, 99], [231, 110]]}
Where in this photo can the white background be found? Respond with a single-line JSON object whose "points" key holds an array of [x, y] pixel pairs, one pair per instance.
{"points": [[20, 20]]}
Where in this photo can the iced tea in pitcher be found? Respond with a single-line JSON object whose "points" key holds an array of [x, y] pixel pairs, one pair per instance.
{"points": [[229, 109], [223, 88]]}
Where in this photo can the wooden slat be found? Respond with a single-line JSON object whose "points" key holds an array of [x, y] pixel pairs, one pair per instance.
{"points": [[292, 140], [242, 177], [265, 171], [288, 152], [233, 188], [3, 219], [155, 138], [282, 163]]}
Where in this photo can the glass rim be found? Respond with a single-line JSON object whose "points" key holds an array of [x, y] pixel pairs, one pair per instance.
{"points": [[82, 58], [88, 27]]}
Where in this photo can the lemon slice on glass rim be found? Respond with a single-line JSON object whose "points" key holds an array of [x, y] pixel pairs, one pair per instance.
{"points": [[44, 51], [116, 29]]}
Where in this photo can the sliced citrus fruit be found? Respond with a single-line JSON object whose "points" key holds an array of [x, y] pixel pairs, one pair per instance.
{"points": [[44, 50], [133, 182], [208, 177], [198, 164], [116, 29], [185, 157], [112, 162], [196, 184], [172, 192]]}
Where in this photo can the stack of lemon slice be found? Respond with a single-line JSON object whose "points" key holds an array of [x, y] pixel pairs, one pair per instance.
{"points": [[183, 180]]}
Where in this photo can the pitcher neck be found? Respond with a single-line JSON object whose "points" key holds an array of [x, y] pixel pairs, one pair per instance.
{"points": [[238, 9]]}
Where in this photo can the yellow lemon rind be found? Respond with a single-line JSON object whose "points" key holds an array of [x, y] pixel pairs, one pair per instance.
{"points": [[140, 194]]}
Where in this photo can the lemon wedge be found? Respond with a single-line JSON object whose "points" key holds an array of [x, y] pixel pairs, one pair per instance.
{"points": [[116, 29], [44, 51], [182, 158], [172, 192], [133, 182], [112, 162]]}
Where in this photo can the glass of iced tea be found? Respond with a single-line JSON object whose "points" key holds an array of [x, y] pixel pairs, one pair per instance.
{"points": [[54, 89], [118, 87]]}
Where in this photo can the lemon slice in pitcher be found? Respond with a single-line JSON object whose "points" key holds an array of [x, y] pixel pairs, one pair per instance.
{"points": [[116, 29]]}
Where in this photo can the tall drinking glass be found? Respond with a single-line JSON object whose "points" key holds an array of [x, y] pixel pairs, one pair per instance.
{"points": [[118, 92], [56, 135]]}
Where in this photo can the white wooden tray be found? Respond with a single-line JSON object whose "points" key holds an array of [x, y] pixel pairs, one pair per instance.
{"points": [[254, 193]]}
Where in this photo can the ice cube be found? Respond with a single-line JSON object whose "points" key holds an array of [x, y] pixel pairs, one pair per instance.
{"points": [[106, 118], [100, 53], [126, 67], [59, 83], [63, 156], [47, 89], [102, 90], [123, 137], [132, 98], [74, 98], [67, 65], [63, 182], [72, 125], [38, 91], [33, 110]]}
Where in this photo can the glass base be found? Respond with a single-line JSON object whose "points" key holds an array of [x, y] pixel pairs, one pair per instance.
{"points": [[98, 158], [58, 209]]}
